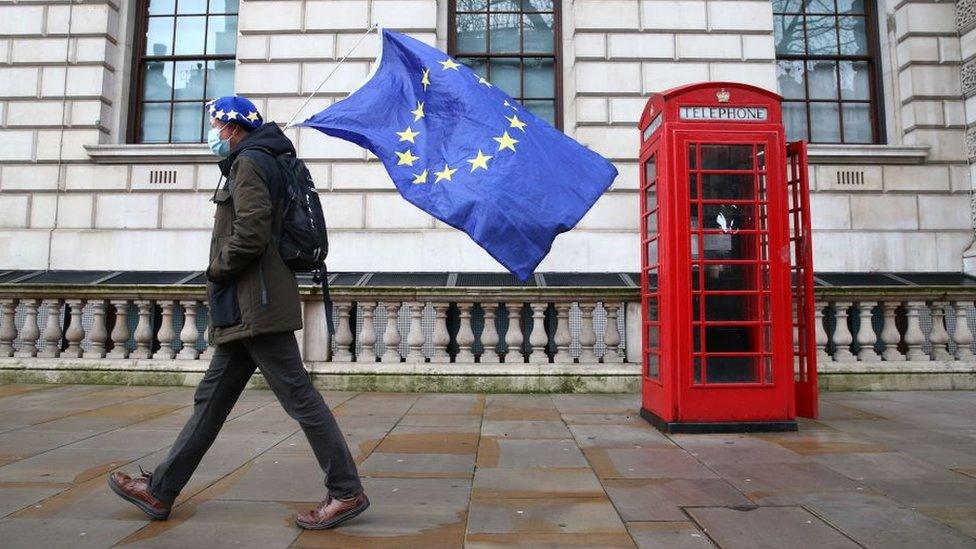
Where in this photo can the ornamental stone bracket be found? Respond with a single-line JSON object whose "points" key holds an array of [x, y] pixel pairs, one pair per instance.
{"points": [[968, 78], [965, 15]]}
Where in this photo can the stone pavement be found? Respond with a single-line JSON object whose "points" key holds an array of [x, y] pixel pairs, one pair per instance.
{"points": [[445, 470]]}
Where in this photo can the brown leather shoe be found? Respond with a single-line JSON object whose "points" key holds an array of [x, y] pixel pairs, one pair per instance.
{"points": [[332, 512], [136, 492]]}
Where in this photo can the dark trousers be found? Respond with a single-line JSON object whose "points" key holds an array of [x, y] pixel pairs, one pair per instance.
{"points": [[279, 360]]}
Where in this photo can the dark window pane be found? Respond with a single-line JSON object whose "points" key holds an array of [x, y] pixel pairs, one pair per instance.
{"points": [[825, 120], [189, 80], [538, 33], [821, 35], [161, 7], [192, 6], [190, 35], [157, 83], [855, 80], [857, 123], [155, 122], [504, 33], [652, 252], [731, 307], [159, 36], [729, 218], [787, 6], [478, 66], [819, 6], [187, 122], [222, 35], [505, 5], [653, 365], [545, 110], [790, 76], [224, 6], [650, 171], [731, 369], [471, 36], [850, 6], [507, 75], [727, 187], [795, 120], [537, 5], [730, 277], [220, 78], [853, 35], [822, 77], [726, 157], [540, 78], [788, 34]]}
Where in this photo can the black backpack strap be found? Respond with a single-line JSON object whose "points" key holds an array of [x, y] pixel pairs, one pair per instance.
{"points": [[323, 277]]}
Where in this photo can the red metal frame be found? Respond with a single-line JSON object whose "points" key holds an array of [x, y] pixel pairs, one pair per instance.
{"points": [[717, 211]]}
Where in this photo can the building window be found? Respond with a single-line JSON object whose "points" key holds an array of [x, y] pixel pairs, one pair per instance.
{"points": [[515, 45], [184, 54], [825, 50]]}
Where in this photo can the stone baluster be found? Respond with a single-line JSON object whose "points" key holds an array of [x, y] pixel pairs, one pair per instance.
{"points": [[939, 336], [120, 331], [415, 335], [190, 333], [513, 336], [98, 334], [343, 335], [441, 337], [29, 332], [842, 333], [821, 333], [890, 334], [587, 336], [75, 333], [562, 337], [143, 335], [465, 335], [166, 334], [489, 335], [52, 330], [914, 338], [391, 336], [538, 338], [962, 336], [8, 330], [612, 335], [367, 336], [866, 338], [208, 350]]}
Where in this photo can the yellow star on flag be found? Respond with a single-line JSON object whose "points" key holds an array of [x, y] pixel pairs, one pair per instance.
{"points": [[406, 158], [408, 135], [420, 178], [449, 64], [480, 161], [252, 116], [418, 113], [516, 123], [426, 79], [446, 173], [505, 142]]}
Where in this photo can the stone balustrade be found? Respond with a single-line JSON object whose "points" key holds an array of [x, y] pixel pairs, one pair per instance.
{"points": [[373, 325]]}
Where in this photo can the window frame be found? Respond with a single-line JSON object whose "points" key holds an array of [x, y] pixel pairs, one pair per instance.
{"points": [[875, 82], [138, 66], [556, 55]]}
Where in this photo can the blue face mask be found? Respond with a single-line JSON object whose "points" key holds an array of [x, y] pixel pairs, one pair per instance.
{"points": [[220, 147]]}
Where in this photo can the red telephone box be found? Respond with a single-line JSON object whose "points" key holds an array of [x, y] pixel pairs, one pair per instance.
{"points": [[726, 263]]}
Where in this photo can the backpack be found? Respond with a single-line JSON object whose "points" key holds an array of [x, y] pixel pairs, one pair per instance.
{"points": [[303, 239]]}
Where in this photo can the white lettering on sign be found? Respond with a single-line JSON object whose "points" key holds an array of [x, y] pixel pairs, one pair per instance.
{"points": [[738, 114]]}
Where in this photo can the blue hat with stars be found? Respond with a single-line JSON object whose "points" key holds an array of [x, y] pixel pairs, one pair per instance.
{"points": [[234, 108]]}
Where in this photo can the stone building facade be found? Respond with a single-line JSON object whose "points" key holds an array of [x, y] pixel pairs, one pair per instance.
{"points": [[79, 188]]}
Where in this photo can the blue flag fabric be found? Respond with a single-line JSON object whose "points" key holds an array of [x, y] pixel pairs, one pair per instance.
{"points": [[462, 150]]}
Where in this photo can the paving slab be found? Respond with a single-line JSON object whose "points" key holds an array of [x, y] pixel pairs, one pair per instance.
{"points": [[414, 465], [662, 499], [646, 463], [768, 527], [521, 453], [536, 483], [768, 479], [543, 516], [736, 449], [673, 535], [960, 517], [892, 527], [525, 429], [65, 533], [620, 436], [17, 495]]}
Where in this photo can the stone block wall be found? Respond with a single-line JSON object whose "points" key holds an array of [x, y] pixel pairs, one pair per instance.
{"points": [[65, 71]]}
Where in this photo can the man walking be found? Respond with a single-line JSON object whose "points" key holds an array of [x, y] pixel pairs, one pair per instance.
{"points": [[254, 311]]}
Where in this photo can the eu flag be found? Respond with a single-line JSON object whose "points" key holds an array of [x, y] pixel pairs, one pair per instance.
{"points": [[463, 151]]}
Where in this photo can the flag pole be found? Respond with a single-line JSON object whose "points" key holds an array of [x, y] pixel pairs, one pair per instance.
{"points": [[328, 76]]}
